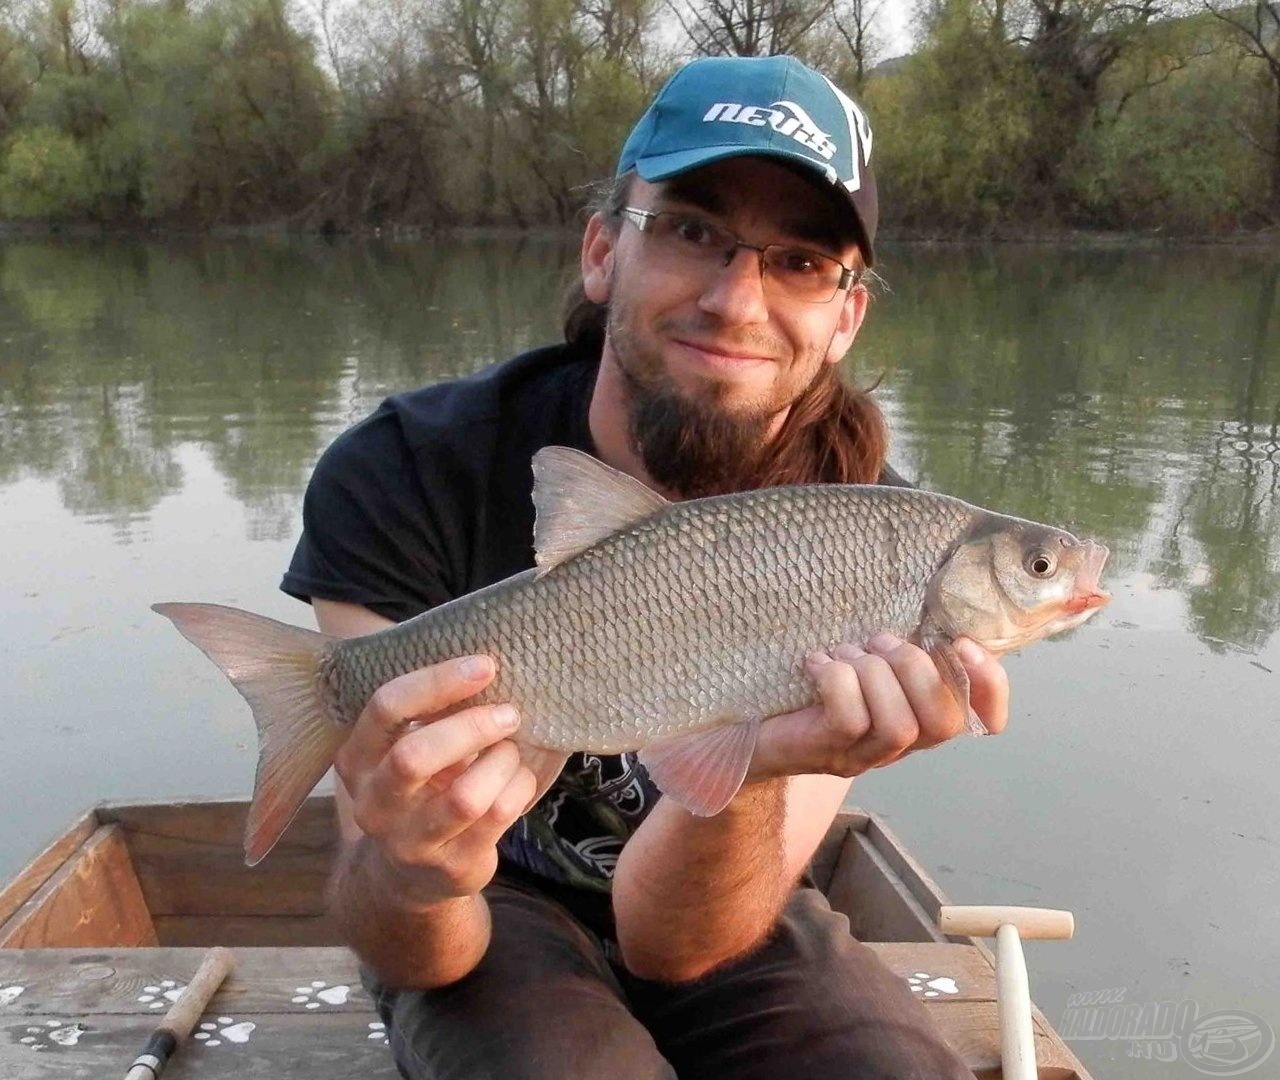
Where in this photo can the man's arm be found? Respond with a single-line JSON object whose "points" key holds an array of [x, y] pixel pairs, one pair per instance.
{"points": [[420, 811], [691, 894]]}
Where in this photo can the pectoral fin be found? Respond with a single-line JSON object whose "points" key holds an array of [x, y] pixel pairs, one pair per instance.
{"points": [[954, 677], [702, 772]]}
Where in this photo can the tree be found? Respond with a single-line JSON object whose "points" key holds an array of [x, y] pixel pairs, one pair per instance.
{"points": [[1257, 30], [748, 27]]}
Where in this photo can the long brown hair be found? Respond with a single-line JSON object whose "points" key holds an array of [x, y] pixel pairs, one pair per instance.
{"points": [[834, 433]]}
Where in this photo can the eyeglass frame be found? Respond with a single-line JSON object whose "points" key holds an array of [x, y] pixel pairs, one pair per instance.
{"points": [[643, 219]]}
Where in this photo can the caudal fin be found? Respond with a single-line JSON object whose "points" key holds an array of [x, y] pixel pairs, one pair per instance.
{"points": [[276, 667]]}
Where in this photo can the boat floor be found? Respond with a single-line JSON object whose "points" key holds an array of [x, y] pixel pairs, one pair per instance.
{"points": [[300, 1012]]}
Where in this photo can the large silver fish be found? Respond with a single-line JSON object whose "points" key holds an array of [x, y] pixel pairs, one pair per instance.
{"points": [[669, 628]]}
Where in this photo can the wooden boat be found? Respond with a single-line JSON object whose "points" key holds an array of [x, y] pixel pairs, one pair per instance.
{"points": [[106, 924]]}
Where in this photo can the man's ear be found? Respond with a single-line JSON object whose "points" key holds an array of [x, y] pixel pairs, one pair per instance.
{"points": [[598, 244], [852, 312]]}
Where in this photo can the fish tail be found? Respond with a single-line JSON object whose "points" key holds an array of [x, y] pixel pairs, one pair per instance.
{"points": [[276, 668]]}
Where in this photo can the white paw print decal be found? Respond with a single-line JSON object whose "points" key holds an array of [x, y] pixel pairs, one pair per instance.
{"points": [[55, 1033], [10, 994], [155, 997], [226, 1029], [931, 985], [320, 992], [378, 1030]]}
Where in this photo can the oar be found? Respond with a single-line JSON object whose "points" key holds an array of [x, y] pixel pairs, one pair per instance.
{"points": [[1009, 925], [181, 1018]]}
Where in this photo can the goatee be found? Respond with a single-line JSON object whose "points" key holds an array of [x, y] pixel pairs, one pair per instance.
{"points": [[693, 447]]}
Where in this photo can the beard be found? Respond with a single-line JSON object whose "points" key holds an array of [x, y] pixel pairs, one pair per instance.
{"points": [[693, 443]]}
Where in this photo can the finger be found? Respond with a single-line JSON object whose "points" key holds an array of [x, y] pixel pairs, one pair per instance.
{"points": [[471, 797], [506, 809], [894, 728], [988, 684], [412, 768], [938, 715], [398, 703], [843, 703]]}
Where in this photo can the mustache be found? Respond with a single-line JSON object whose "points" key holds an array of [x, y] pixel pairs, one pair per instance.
{"points": [[755, 341]]}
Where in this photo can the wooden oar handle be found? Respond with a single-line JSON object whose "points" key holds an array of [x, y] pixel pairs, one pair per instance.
{"points": [[217, 964], [1043, 923]]}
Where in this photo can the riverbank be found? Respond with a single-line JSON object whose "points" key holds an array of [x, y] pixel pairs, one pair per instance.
{"points": [[1267, 239]]}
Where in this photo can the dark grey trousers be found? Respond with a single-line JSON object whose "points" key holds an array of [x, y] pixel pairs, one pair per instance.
{"points": [[546, 1003]]}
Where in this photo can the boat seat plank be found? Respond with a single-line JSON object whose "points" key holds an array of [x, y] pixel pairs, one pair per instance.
{"points": [[325, 1046], [92, 897], [104, 991]]}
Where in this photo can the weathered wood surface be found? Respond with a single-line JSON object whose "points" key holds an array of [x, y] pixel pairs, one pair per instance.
{"points": [[878, 904], [43, 867], [92, 897], [312, 1018], [190, 864]]}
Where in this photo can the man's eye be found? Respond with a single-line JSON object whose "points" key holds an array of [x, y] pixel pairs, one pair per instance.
{"points": [[799, 262], [693, 231]]}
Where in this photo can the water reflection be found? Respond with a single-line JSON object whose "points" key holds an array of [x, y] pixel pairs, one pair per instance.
{"points": [[1134, 396]]}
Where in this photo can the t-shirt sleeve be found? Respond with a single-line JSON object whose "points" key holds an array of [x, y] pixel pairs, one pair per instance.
{"points": [[368, 536]]}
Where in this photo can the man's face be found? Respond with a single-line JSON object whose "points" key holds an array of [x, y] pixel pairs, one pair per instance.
{"points": [[711, 356]]}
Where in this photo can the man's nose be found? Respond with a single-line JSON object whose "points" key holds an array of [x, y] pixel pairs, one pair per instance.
{"points": [[735, 292]]}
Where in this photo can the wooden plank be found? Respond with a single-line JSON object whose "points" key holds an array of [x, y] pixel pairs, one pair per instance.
{"points": [[220, 821], [246, 930], [333, 1046], [939, 972], [865, 888], [972, 1030], [44, 865], [190, 859], [79, 982], [824, 858], [92, 899]]}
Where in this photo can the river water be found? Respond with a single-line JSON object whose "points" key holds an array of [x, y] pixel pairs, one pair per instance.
{"points": [[161, 407]]}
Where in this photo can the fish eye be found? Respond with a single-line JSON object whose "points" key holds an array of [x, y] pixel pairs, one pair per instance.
{"points": [[1040, 563]]}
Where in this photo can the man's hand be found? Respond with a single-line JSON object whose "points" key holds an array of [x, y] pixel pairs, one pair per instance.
{"points": [[433, 785], [878, 704]]}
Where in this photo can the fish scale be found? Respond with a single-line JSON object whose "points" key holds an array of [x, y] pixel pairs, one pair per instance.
{"points": [[698, 615]]}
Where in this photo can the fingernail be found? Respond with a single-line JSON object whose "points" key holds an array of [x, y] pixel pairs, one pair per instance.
{"points": [[477, 667], [970, 652], [506, 717], [848, 651], [883, 643], [817, 659]]}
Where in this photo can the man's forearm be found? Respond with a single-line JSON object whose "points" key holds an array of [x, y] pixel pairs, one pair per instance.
{"points": [[691, 893], [407, 944]]}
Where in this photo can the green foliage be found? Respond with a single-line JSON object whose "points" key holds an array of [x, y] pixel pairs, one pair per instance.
{"points": [[46, 174], [499, 112], [952, 126]]}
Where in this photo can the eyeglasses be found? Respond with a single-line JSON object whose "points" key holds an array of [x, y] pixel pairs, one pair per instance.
{"points": [[794, 272]]}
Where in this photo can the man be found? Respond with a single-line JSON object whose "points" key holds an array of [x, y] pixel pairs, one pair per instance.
{"points": [[608, 931]]}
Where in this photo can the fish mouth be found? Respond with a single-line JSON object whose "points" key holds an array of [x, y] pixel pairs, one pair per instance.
{"points": [[1088, 595]]}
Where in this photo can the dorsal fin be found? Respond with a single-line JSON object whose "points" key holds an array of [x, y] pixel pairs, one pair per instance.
{"points": [[579, 501]]}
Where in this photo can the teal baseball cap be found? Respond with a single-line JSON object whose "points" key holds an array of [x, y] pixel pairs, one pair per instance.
{"points": [[763, 106]]}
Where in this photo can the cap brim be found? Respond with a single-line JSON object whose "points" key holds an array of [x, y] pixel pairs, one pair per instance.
{"points": [[660, 167]]}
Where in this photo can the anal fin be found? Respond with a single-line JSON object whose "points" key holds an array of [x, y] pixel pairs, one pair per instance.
{"points": [[703, 771]]}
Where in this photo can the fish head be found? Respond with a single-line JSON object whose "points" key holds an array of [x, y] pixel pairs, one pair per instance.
{"points": [[1013, 582]]}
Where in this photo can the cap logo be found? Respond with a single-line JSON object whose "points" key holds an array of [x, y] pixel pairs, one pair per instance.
{"points": [[785, 117]]}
